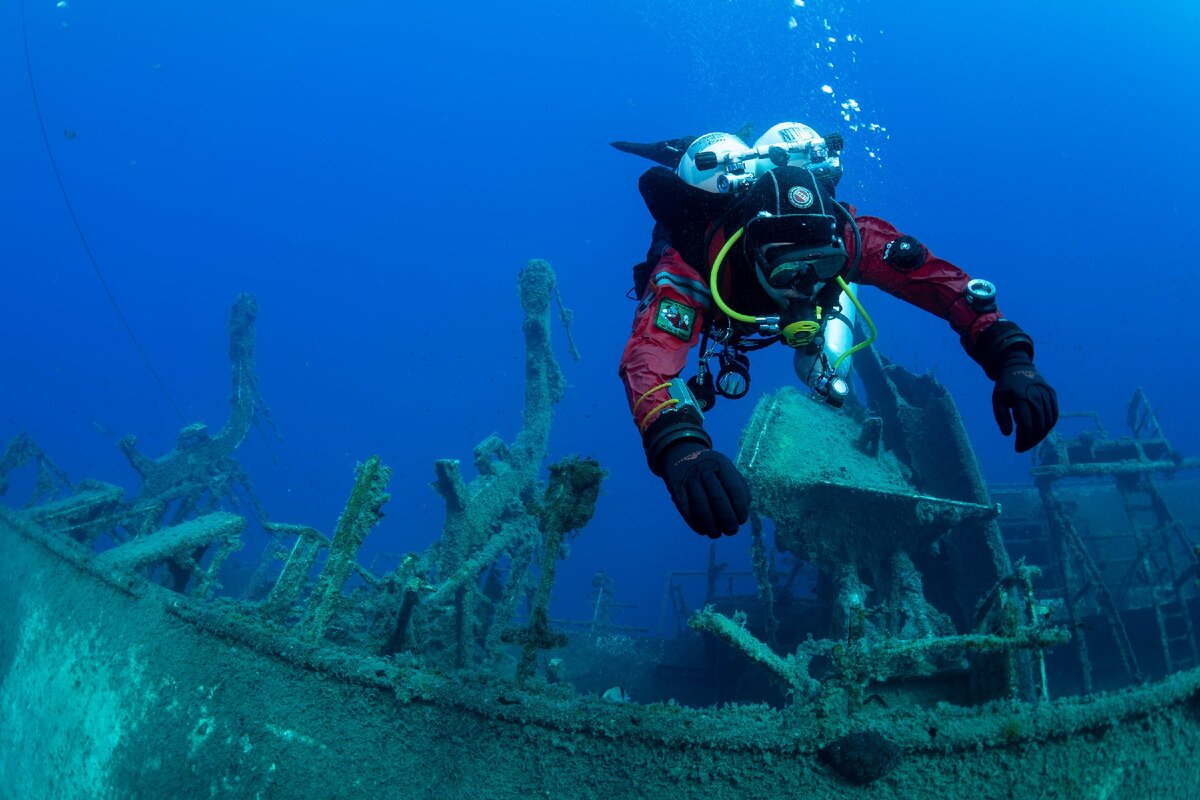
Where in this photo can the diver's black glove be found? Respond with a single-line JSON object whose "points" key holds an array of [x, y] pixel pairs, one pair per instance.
{"points": [[1022, 396], [707, 489]]}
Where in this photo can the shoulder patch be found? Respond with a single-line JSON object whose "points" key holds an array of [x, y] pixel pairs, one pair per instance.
{"points": [[675, 318]]}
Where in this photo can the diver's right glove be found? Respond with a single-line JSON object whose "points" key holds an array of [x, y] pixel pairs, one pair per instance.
{"points": [[707, 489], [1022, 398]]}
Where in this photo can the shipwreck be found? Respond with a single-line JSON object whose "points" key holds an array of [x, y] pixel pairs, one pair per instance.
{"points": [[951, 639]]}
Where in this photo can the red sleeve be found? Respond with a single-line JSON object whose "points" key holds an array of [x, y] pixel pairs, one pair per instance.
{"points": [[936, 286], [666, 326]]}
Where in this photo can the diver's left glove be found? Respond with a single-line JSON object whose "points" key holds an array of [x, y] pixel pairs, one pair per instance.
{"points": [[1022, 398]]}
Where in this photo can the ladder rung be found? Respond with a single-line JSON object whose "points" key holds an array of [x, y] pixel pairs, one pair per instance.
{"points": [[1082, 593], [1126, 536]]}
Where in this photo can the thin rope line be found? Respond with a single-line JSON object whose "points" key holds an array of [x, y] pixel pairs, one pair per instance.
{"points": [[87, 248]]}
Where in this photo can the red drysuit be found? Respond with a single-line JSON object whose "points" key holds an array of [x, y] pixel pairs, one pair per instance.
{"points": [[673, 310]]}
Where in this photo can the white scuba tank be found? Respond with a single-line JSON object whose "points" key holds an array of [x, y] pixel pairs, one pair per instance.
{"points": [[814, 370]]}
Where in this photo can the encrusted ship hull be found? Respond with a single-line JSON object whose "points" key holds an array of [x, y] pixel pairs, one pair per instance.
{"points": [[114, 687]]}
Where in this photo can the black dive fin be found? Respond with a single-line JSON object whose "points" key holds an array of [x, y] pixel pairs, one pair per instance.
{"points": [[668, 152]]}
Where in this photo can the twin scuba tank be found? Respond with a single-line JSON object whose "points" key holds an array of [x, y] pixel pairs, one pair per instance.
{"points": [[822, 338]]}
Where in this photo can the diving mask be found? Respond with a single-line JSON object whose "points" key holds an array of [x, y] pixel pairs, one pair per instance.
{"points": [[796, 251]]}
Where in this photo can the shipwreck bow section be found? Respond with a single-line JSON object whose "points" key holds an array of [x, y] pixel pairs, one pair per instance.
{"points": [[890, 507]]}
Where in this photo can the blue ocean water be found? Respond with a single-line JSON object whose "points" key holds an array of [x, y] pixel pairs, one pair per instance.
{"points": [[377, 173]]}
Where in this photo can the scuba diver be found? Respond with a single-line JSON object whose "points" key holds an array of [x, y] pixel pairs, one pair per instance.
{"points": [[750, 247]]}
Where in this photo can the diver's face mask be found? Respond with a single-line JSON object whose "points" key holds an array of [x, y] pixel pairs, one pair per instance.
{"points": [[795, 252]]}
